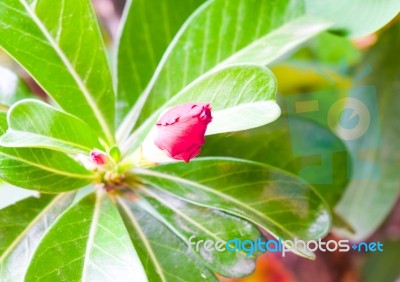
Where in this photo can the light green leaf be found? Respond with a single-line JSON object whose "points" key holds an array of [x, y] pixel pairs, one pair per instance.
{"points": [[21, 228], [38, 125], [89, 242], [144, 37], [40, 169], [282, 204], [244, 116], [244, 90], [187, 220], [280, 42], [10, 194], [60, 45], [286, 144], [354, 18], [221, 33], [375, 185], [167, 257]]}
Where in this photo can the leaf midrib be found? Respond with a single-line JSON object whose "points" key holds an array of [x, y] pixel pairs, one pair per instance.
{"points": [[143, 236], [151, 194], [133, 115], [75, 145], [49, 206], [72, 71], [189, 219], [151, 119], [49, 169], [92, 233], [224, 196], [131, 118]]}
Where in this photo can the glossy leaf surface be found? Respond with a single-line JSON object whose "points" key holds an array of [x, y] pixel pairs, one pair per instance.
{"points": [[66, 57], [194, 223], [41, 169], [143, 40], [37, 125], [286, 144], [89, 242], [168, 259], [253, 88], [277, 201], [371, 14], [22, 226], [222, 33]]}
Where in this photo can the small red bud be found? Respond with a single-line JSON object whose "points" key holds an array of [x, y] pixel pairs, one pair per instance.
{"points": [[98, 157]]}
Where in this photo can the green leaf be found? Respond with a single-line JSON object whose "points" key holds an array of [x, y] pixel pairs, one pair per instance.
{"points": [[36, 124], [187, 220], [278, 43], [143, 40], [60, 45], [40, 169], [286, 144], [370, 14], [281, 203], [167, 257], [253, 88], [221, 33], [21, 228], [89, 242], [10, 194], [12, 88], [375, 185]]}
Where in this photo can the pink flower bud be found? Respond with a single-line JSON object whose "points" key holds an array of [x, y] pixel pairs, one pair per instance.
{"points": [[180, 131], [98, 157]]}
